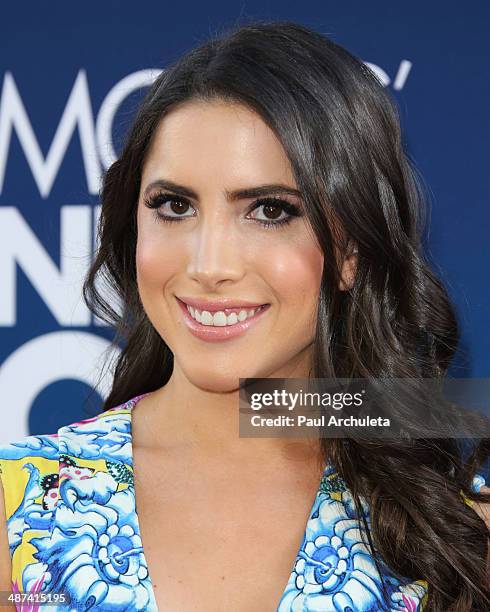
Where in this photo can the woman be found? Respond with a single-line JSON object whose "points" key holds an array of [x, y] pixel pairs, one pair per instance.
{"points": [[262, 221]]}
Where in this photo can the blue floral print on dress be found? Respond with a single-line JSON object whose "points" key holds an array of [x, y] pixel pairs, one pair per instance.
{"points": [[73, 528]]}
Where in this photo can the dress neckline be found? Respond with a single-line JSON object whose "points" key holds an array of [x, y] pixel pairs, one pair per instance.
{"points": [[130, 405], [333, 569]]}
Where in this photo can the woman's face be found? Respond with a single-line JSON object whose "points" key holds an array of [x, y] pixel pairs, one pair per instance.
{"points": [[217, 247]]}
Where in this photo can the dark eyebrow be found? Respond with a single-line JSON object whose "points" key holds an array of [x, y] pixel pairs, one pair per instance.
{"points": [[232, 196]]}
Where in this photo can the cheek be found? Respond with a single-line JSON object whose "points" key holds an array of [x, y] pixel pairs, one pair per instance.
{"points": [[149, 258], [294, 274], [156, 256]]}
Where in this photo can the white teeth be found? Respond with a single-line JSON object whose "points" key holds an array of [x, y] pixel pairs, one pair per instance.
{"points": [[232, 318], [220, 319], [206, 318]]}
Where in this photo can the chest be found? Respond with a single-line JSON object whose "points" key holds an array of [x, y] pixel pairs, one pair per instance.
{"points": [[217, 538]]}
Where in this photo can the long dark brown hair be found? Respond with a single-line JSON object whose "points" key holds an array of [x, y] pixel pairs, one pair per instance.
{"points": [[341, 132]]}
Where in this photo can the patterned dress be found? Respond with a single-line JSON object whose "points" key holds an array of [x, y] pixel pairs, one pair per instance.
{"points": [[75, 539]]}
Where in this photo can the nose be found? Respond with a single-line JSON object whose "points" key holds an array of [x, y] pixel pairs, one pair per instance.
{"points": [[216, 256]]}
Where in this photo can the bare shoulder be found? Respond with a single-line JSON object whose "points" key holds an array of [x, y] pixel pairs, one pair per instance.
{"points": [[5, 562]]}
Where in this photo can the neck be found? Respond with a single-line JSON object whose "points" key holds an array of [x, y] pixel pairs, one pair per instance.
{"points": [[181, 415]]}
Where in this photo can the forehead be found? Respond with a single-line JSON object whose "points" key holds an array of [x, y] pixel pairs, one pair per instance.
{"points": [[216, 139]]}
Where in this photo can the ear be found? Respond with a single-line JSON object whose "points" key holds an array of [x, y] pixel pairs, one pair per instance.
{"points": [[348, 270], [483, 510]]}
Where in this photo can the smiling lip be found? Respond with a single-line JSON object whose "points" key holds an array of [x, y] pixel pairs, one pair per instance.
{"points": [[210, 333]]}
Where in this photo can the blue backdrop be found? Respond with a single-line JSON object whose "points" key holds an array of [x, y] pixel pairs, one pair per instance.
{"points": [[70, 81]]}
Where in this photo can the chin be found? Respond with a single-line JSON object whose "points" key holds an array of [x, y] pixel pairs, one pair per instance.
{"points": [[217, 380], [215, 383]]}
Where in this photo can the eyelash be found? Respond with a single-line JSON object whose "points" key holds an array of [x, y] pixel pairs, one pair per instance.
{"points": [[155, 201]]}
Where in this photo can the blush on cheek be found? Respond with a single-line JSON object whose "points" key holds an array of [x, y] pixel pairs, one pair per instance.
{"points": [[296, 274], [150, 266]]}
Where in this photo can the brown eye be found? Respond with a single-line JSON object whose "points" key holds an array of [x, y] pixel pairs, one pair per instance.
{"points": [[268, 211], [272, 211], [167, 203], [178, 206]]}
